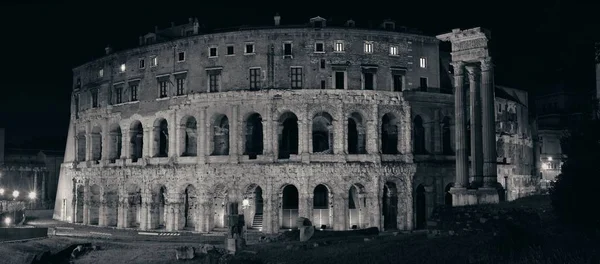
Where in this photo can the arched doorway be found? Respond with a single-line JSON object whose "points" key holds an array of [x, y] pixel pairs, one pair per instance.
{"points": [[419, 136], [356, 134], [288, 138], [134, 206], [254, 136], [322, 214], [220, 203], [112, 206], [136, 141], [94, 206], [322, 135], [79, 199], [390, 206], [357, 205], [252, 207], [158, 211], [389, 134], [289, 206], [421, 208]]}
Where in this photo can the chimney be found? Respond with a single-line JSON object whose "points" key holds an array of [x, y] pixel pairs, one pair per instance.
{"points": [[1, 146], [277, 19], [108, 50]]}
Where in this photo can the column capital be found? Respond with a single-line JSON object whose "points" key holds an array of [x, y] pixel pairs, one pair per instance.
{"points": [[458, 67], [486, 64], [471, 72]]}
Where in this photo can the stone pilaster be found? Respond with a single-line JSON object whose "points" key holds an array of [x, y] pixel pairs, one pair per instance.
{"points": [[102, 211], [339, 137], [148, 145], [201, 137], [305, 205], [489, 124], [125, 144], [234, 132], [373, 130], [145, 211], [86, 203], [476, 136], [462, 174], [268, 137], [305, 139], [436, 130]]}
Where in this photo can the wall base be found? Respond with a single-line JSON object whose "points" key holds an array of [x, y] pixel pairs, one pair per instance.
{"points": [[464, 196]]}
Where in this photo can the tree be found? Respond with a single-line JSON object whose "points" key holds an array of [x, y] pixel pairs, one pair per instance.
{"points": [[574, 194]]}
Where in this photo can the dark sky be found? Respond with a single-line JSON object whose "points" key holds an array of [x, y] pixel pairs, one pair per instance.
{"points": [[41, 43]]}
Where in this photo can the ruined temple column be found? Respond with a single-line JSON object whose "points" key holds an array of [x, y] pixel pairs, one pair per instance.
{"points": [[476, 138], [489, 124], [462, 166]]}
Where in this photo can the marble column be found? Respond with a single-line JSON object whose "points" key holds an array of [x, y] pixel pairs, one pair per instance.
{"points": [[476, 131], [489, 124], [462, 174]]}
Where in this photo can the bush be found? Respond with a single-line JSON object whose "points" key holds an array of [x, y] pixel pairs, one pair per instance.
{"points": [[574, 193]]}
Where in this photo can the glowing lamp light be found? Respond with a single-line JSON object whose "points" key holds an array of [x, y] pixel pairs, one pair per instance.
{"points": [[7, 220], [545, 166], [245, 202], [123, 67], [549, 158], [32, 195], [16, 194], [1, 191]]}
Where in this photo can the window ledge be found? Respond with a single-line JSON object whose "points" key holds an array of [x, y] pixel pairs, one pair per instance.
{"points": [[163, 98], [127, 103]]}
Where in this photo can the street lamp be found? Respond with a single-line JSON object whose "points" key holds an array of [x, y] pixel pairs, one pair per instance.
{"points": [[544, 166], [15, 194], [549, 158], [1, 191], [32, 195], [7, 221]]}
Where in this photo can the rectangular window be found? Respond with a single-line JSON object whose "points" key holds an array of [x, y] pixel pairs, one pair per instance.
{"points": [[339, 79], [368, 80], [95, 98], [142, 63], [339, 46], [397, 79], [179, 83], [423, 63], [230, 50], [287, 49], [320, 47], [322, 84], [119, 94], [162, 89], [134, 92], [101, 73], [249, 49], [213, 82], [212, 52], [254, 78], [423, 84], [393, 51], [154, 62], [368, 47], [296, 77], [181, 56], [322, 64]]}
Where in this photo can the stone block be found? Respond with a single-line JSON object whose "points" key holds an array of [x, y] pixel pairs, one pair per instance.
{"points": [[184, 253]]}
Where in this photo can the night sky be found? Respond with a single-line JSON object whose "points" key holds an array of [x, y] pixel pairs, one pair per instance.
{"points": [[536, 44]]}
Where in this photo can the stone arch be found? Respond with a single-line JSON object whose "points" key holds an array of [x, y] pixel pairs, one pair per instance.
{"points": [[158, 207], [189, 212], [357, 206], [390, 206], [220, 200], [253, 206], [220, 135], [81, 146], [389, 134], [446, 136], [253, 135], [160, 133], [94, 204], [189, 136], [133, 205], [79, 202], [96, 137], [115, 139], [419, 135], [322, 206], [136, 140], [421, 207], [111, 199], [289, 206], [356, 130], [288, 135], [322, 133]]}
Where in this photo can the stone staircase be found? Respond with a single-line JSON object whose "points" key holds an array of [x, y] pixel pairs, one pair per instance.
{"points": [[257, 222]]}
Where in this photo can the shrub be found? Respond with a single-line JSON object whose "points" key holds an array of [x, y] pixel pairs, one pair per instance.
{"points": [[574, 193]]}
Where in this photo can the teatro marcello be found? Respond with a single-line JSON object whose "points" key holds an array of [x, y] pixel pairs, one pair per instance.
{"points": [[350, 127]]}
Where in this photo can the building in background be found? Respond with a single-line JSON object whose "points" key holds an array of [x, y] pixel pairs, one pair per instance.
{"points": [[32, 173]]}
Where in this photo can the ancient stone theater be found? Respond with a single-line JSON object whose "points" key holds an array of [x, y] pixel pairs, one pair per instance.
{"points": [[347, 126]]}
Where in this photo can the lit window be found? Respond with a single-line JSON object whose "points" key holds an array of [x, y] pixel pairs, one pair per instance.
{"points": [[101, 73], [368, 47], [123, 67], [154, 62], [249, 49], [319, 47], [423, 63], [339, 46], [394, 51], [212, 52]]}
